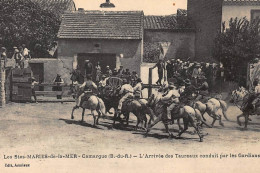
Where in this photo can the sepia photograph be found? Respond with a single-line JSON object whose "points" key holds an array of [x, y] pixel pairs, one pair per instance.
{"points": [[149, 86]]}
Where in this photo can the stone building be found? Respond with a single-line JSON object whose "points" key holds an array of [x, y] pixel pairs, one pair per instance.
{"points": [[238, 8], [113, 38], [207, 16]]}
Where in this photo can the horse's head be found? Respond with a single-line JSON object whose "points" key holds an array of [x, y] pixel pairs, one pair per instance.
{"points": [[150, 100], [238, 95], [181, 89]]}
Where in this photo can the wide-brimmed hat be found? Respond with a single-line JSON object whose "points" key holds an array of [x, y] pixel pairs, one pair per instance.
{"points": [[202, 78], [187, 82], [171, 85], [138, 80]]}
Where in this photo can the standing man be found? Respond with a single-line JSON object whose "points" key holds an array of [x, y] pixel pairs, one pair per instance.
{"points": [[169, 69], [33, 89], [98, 72], [3, 55], [160, 67], [88, 68], [58, 81], [108, 71]]}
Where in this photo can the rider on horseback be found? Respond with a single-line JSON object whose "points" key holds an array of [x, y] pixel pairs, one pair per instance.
{"points": [[88, 86], [127, 92], [256, 95], [138, 89], [171, 97], [187, 96], [203, 88]]}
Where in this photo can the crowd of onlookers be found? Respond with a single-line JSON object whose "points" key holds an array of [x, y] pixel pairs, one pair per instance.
{"points": [[20, 57], [98, 74], [178, 71]]}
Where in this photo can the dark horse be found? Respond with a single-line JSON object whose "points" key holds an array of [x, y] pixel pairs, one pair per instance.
{"points": [[137, 107], [187, 113]]}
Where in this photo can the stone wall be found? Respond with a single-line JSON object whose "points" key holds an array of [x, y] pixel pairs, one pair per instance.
{"points": [[2, 84], [205, 16], [128, 52], [180, 44]]}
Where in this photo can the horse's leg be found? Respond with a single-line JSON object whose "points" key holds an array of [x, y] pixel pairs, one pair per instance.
{"points": [[238, 117], [203, 113], [220, 120], [154, 123], [246, 120], [99, 113], [168, 131], [196, 128], [72, 116], [137, 124], [179, 124], [127, 118], [186, 123], [94, 117], [83, 112]]}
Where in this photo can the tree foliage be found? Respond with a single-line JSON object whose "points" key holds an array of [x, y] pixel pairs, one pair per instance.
{"points": [[237, 45], [26, 22], [151, 52]]}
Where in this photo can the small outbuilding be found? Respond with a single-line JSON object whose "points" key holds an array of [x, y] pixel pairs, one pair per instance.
{"points": [[112, 38]]}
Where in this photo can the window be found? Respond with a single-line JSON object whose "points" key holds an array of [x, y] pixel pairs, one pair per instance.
{"points": [[255, 14]]}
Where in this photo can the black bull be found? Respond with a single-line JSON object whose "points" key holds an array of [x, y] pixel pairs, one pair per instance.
{"points": [[137, 107]]}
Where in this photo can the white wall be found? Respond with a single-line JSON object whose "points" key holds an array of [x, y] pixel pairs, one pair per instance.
{"points": [[232, 11]]}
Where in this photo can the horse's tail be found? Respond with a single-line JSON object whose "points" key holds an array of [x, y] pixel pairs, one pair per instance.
{"points": [[223, 105], [102, 106]]}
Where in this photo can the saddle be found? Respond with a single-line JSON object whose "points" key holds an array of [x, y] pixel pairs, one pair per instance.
{"points": [[87, 95]]}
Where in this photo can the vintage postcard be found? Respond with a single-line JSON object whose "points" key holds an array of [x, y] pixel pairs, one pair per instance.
{"points": [[129, 86]]}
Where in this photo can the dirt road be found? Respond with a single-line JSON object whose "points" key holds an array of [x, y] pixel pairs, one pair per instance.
{"points": [[46, 128]]}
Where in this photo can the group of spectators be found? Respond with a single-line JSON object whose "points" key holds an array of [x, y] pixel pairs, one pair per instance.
{"points": [[20, 56], [98, 74], [178, 71]]}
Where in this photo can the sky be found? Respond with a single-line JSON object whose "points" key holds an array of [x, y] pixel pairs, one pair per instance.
{"points": [[150, 7]]}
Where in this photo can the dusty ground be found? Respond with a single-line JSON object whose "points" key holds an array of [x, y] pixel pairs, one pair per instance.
{"points": [[46, 128]]}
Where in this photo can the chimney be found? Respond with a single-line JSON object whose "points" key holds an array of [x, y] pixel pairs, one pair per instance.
{"points": [[81, 9], [107, 4]]}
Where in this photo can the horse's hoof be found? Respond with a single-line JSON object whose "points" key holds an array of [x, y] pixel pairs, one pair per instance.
{"points": [[72, 118], [201, 139], [221, 124], [239, 123]]}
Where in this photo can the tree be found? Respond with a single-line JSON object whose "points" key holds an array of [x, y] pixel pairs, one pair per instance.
{"points": [[25, 22], [237, 45]]}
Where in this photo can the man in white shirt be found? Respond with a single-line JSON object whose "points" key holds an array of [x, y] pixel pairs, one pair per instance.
{"points": [[138, 88], [172, 98], [127, 91]]}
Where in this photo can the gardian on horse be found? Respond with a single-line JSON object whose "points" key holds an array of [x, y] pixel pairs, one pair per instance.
{"points": [[115, 89], [128, 103], [250, 102], [187, 113], [205, 104], [86, 99]]}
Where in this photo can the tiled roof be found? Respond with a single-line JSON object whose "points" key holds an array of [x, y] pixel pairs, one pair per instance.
{"points": [[241, 2], [160, 22], [169, 22], [102, 24]]}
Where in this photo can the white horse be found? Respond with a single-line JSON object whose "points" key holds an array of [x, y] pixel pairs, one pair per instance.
{"points": [[214, 108], [93, 103]]}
